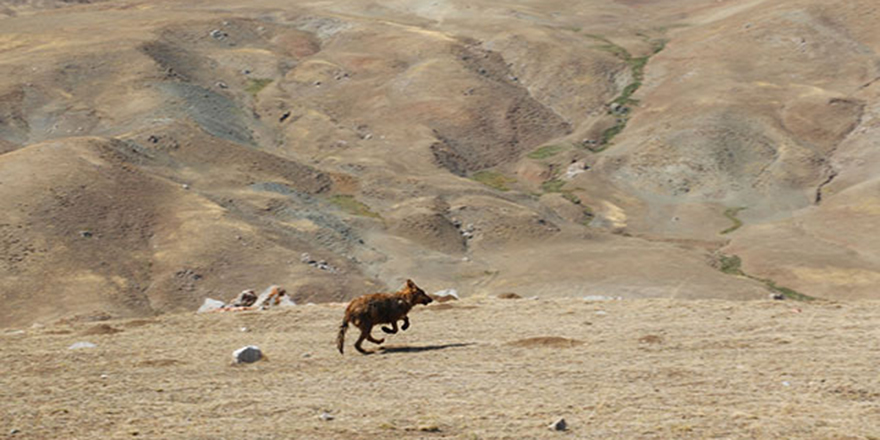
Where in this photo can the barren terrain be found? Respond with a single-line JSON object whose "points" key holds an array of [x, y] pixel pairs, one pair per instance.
{"points": [[156, 153], [688, 158], [481, 368]]}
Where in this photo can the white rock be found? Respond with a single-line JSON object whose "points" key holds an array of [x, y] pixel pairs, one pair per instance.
{"points": [[559, 425], [210, 305], [78, 345], [247, 355], [326, 416]]}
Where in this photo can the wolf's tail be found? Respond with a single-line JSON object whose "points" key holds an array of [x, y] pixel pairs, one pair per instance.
{"points": [[340, 338]]}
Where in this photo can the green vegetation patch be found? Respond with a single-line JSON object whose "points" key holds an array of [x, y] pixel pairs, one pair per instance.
{"points": [[546, 151], [731, 214], [255, 85], [730, 264], [352, 206], [786, 292], [494, 180], [553, 186]]}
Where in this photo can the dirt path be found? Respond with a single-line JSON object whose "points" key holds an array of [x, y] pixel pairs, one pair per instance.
{"points": [[476, 369]]}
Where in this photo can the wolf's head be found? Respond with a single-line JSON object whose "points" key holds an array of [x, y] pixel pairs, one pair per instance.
{"points": [[415, 294]]}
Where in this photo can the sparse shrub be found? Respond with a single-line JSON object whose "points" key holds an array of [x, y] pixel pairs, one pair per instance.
{"points": [[493, 179], [352, 206], [546, 151]]}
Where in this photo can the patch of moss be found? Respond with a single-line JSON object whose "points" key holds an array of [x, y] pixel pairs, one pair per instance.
{"points": [[731, 214], [493, 179], [546, 151], [352, 206], [255, 85]]}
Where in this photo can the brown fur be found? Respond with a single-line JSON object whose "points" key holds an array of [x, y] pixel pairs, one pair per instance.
{"points": [[380, 308]]}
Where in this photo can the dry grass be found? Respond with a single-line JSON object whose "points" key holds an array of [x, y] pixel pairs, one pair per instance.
{"points": [[645, 369]]}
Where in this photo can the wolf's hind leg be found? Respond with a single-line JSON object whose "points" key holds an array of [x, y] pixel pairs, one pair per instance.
{"points": [[405, 323], [357, 345], [372, 339], [391, 330]]}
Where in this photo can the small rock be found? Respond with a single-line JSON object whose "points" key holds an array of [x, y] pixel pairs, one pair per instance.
{"points": [[14, 431], [559, 425], [217, 34], [429, 428], [244, 330], [246, 298], [786, 383], [85, 234], [247, 355], [777, 296], [509, 295], [576, 168], [185, 186], [306, 355], [222, 85], [601, 312], [210, 305], [79, 345], [325, 416]]}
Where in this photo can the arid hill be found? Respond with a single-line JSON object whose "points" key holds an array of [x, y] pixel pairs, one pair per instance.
{"points": [[154, 153]]}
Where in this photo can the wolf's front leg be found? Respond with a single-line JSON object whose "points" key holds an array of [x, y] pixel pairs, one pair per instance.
{"points": [[405, 323], [391, 330]]}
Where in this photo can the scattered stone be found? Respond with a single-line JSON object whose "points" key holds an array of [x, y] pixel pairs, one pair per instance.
{"points": [[246, 298], [274, 296], [210, 305], [509, 295], [247, 355], [85, 234], [104, 376], [445, 296], [576, 168], [601, 312], [325, 416], [222, 85], [246, 71], [284, 116], [217, 34], [777, 296], [559, 425], [429, 428], [244, 329], [79, 345], [185, 186], [306, 355], [14, 431]]}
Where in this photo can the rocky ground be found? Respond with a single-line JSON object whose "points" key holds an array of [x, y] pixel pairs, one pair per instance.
{"points": [[480, 368]]}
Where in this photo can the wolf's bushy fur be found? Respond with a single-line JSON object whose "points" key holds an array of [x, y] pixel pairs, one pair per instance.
{"points": [[380, 308]]}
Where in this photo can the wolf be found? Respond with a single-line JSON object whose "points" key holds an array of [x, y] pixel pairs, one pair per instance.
{"points": [[380, 308]]}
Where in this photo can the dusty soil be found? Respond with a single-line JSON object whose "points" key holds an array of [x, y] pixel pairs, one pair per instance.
{"points": [[475, 369]]}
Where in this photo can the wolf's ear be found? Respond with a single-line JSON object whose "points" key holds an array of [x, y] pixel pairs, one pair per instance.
{"points": [[410, 284]]}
